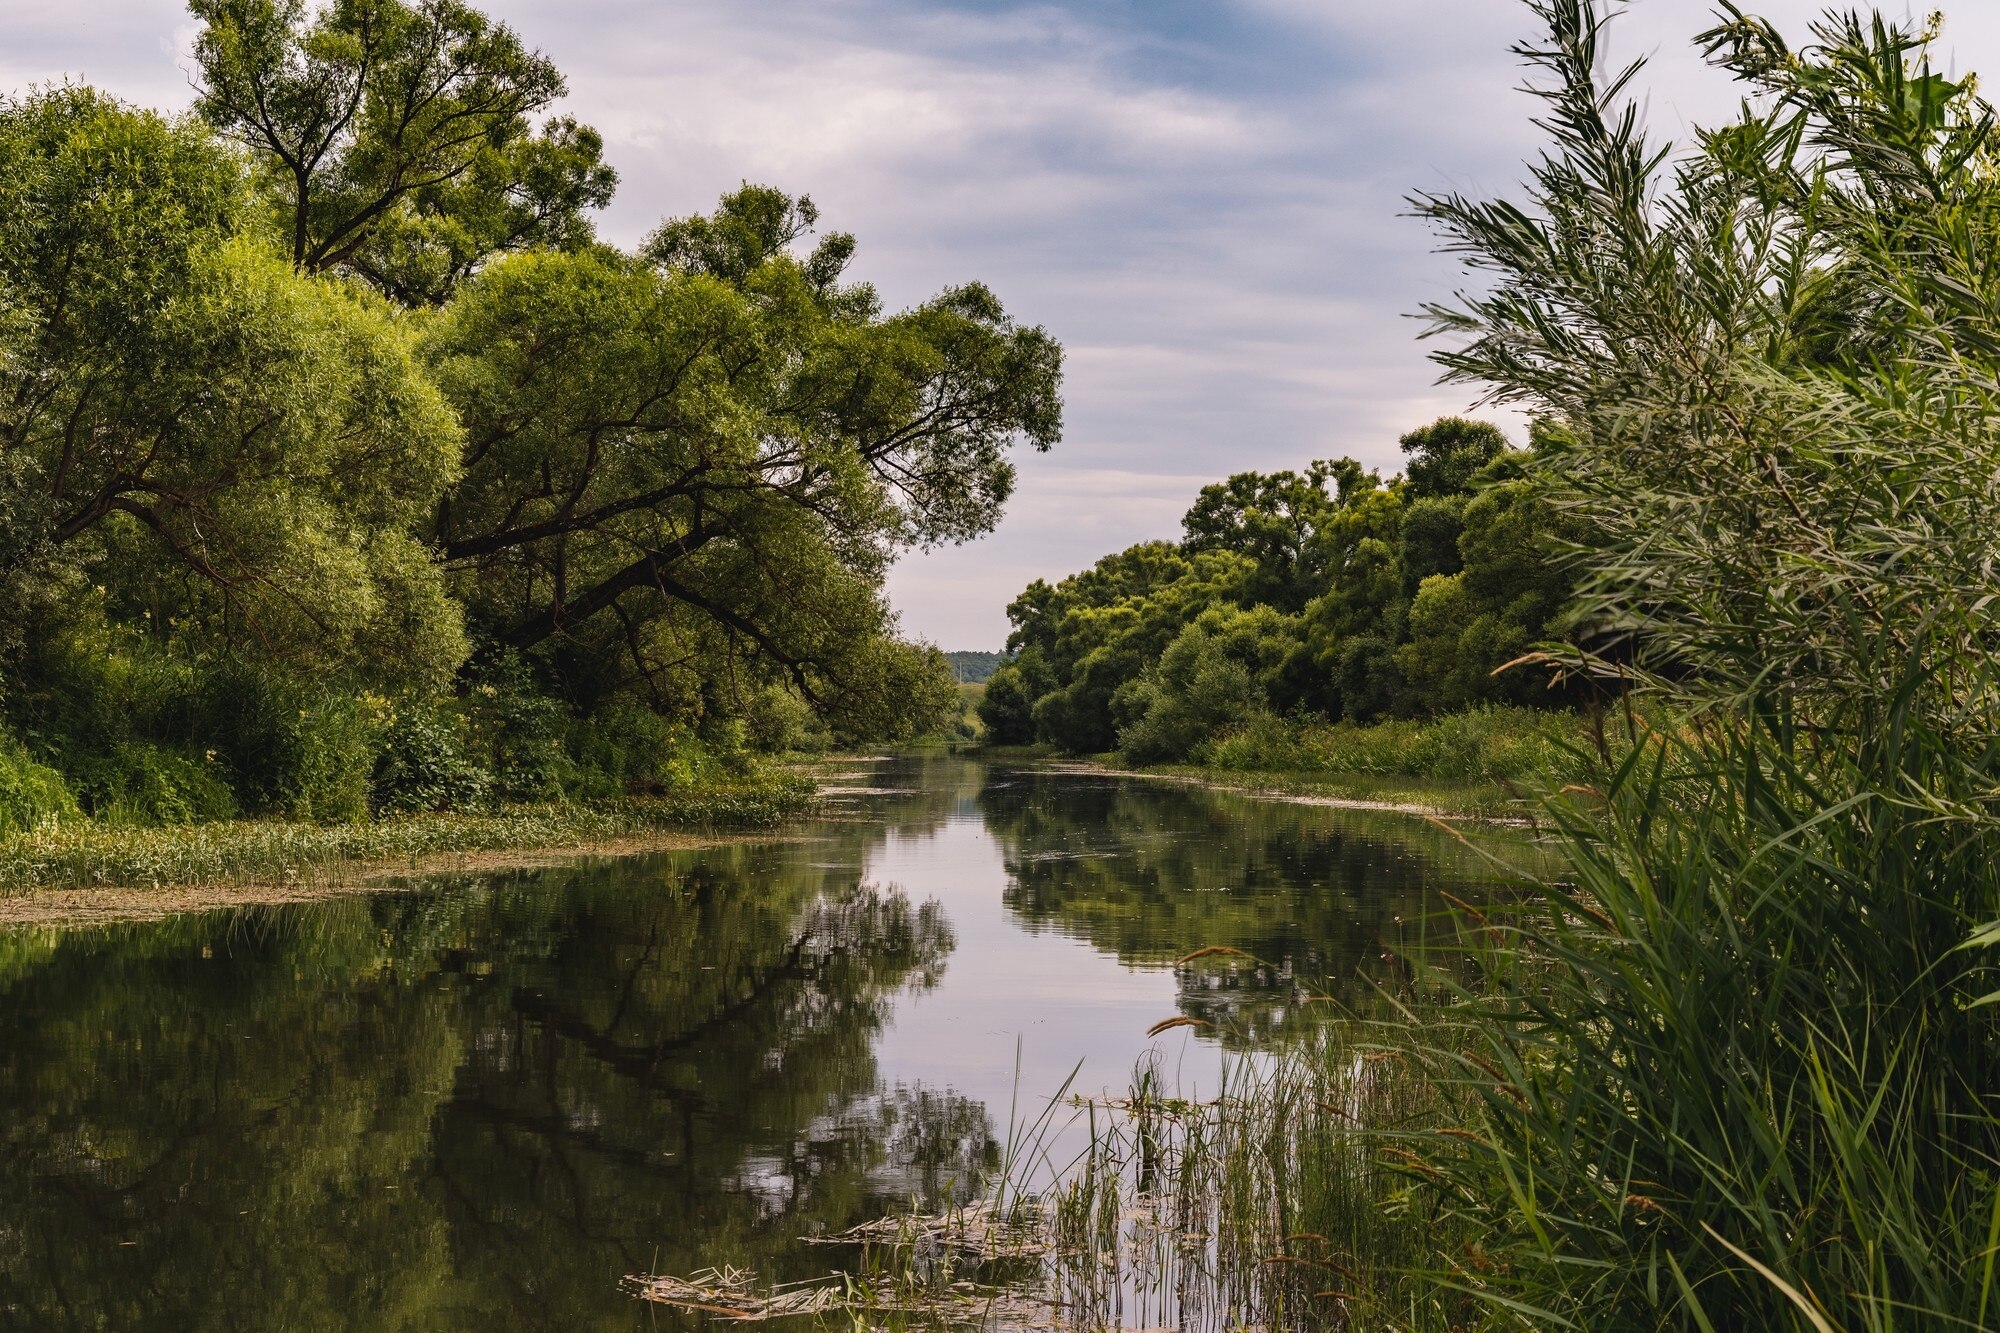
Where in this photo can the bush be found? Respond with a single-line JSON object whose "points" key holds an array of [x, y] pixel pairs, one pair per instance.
{"points": [[627, 749], [777, 721], [146, 784], [1481, 743], [304, 752], [32, 796], [519, 731], [1007, 706], [424, 766], [1212, 677]]}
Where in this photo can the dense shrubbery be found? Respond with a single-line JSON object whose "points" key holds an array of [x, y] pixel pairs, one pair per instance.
{"points": [[32, 796], [352, 473], [1493, 741], [1317, 597]]}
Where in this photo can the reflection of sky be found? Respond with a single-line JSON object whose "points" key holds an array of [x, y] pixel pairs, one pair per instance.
{"points": [[1062, 999], [1199, 197]]}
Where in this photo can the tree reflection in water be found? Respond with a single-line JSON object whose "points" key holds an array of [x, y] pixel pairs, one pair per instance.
{"points": [[1325, 902], [480, 1105], [461, 1110]]}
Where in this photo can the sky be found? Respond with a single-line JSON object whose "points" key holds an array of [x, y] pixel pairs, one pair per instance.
{"points": [[1203, 200]]}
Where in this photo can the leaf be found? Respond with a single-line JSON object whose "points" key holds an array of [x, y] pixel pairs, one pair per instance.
{"points": [[1177, 1021]]}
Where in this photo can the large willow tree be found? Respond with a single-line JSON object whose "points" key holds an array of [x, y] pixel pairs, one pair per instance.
{"points": [[335, 376], [215, 444], [704, 458]]}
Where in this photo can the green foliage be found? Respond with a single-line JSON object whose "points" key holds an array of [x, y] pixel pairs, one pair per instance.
{"points": [[1447, 454], [975, 668], [141, 784], [393, 140], [232, 450], [354, 408], [1214, 677], [1007, 707], [695, 470], [1368, 601], [32, 796], [79, 853], [779, 722], [425, 767], [1490, 742], [1734, 1070]]}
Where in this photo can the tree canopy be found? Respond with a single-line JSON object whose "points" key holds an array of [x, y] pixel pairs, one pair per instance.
{"points": [[1323, 593], [326, 400], [394, 140]]}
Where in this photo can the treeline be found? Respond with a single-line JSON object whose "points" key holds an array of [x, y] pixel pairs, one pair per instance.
{"points": [[975, 668], [1327, 595], [343, 468]]}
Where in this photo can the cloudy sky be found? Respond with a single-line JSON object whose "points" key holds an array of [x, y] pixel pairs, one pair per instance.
{"points": [[1200, 198]]}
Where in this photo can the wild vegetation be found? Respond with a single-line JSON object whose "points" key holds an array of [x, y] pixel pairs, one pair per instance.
{"points": [[1731, 1066], [344, 471], [1297, 601]]}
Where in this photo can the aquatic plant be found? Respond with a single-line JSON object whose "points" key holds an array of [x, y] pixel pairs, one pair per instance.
{"points": [[79, 853]]}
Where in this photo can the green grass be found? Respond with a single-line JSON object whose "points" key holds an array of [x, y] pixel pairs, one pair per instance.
{"points": [[1481, 762], [1479, 745], [79, 854]]}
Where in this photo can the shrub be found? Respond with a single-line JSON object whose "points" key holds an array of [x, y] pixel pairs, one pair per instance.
{"points": [[32, 796], [424, 767], [1007, 706], [1479, 744], [301, 751], [777, 721], [146, 784], [518, 731], [1212, 677], [626, 748]]}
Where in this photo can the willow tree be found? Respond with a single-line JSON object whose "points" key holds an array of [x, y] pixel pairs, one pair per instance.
{"points": [[395, 140], [690, 469], [209, 440]]}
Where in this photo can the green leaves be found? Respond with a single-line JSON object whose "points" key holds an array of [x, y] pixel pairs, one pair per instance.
{"points": [[394, 139], [1769, 363], [230, 447]]}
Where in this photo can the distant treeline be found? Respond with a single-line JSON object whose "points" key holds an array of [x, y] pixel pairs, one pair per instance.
{"points": [[1327, 594], [975, 668], [344, 469]]}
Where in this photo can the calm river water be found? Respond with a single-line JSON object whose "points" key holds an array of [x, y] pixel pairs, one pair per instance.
{"points": [[480, 1103]]}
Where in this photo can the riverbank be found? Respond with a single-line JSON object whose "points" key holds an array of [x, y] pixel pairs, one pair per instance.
{"points": [[1488, 802], [92, 868], [1484, 763]]}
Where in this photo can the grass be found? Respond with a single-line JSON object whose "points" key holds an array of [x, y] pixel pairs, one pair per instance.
{"points": [[1483, 762], [1487, 744], [74, 855], [1272, 1204]]}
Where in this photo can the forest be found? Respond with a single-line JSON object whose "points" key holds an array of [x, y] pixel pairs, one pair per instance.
{"points": [[344, 470], [1322, 595]]}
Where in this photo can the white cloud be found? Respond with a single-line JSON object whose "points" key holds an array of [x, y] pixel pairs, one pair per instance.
{"points": [[1208, 218]]}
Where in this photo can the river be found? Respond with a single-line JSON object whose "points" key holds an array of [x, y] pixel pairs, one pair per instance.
{"points": [[481, 1102]]}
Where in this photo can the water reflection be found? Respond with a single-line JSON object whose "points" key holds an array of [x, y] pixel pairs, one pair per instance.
{"points": [[480, 1104], [1325, 903]]}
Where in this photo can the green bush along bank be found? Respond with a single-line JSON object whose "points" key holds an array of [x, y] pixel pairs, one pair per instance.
{"points": [[83, 854]]}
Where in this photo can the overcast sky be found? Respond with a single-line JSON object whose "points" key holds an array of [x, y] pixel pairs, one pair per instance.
{"points": [[1200, 198]]}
